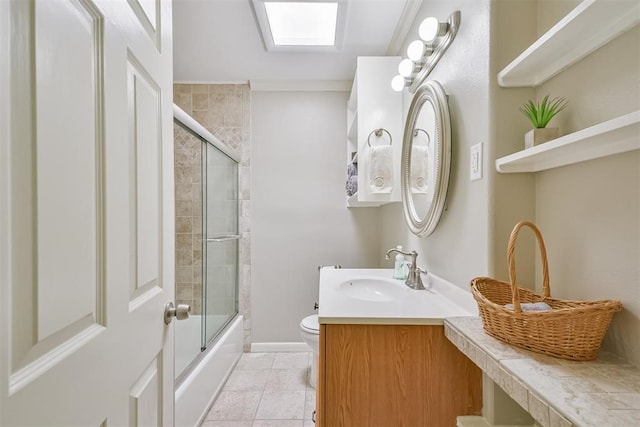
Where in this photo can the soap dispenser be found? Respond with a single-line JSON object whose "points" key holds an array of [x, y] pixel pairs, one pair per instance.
{"points": [[400, 267]]}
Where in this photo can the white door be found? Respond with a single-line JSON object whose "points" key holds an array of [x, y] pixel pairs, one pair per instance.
{"points": [[86, 212]]}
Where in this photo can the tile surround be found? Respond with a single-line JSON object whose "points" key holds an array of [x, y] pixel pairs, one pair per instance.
{"points": [[224, 110], [188, 217], [266, 389], [556, 392]]}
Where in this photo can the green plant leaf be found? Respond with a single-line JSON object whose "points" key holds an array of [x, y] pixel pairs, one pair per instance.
{"points": [[541, 114]]}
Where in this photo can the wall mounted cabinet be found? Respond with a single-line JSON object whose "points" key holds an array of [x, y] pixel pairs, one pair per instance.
{"points": [[374, 105]]}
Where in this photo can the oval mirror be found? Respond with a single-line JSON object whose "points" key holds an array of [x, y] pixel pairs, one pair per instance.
{"points": [[426, 158]]}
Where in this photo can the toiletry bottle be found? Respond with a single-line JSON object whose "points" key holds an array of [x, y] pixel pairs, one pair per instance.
{"points": [[399, 267]]}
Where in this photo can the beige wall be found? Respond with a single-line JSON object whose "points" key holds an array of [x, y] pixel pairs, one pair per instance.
{"points": [[589, 213], [299, 214], [224, 109], [458, 249]]}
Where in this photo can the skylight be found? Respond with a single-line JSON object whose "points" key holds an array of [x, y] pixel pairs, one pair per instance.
{"points": [[302, 23]]}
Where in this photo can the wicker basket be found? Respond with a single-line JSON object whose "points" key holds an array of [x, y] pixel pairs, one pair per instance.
{"points": [[571, 330]]}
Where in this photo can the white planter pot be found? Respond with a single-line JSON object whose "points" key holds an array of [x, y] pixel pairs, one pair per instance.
{"points": [[539, 135]]}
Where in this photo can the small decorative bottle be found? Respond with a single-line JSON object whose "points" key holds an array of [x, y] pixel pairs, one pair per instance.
{"points": [[400, 267]]}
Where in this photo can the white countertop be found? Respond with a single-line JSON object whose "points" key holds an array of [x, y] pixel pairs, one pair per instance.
{"points": [[409, 307]]}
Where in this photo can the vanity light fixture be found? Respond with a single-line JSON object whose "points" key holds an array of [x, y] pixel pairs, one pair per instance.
{"points": [[432, 28], [417, 50], [424, 54], [407, 67], [398, 83]]}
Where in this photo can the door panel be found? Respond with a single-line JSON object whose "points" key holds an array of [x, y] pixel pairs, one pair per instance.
{"points": [[86, 213], [146, 149], [145, 397], [147, 13], [57, 194], [68, 151]]}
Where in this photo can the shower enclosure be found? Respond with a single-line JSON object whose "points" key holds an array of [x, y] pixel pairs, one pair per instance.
{"points": [[207, 241]]}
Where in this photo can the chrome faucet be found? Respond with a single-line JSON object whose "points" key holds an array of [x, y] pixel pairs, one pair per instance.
{"points": [[414, 280]]}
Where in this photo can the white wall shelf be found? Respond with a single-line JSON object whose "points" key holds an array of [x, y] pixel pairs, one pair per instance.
{"points": [[614, 136], [352, 202], [589, 26]]}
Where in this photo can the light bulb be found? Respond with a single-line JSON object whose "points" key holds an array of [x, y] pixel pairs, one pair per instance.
{"points": [[397, 83], [432, 28], [415, 50], [406, 67]]}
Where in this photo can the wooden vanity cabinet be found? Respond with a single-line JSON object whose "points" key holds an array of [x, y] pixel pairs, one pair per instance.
{"points": [[393, 375]]}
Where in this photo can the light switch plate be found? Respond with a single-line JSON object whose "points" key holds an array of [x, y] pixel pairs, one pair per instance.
{"points": [[475, 166]]}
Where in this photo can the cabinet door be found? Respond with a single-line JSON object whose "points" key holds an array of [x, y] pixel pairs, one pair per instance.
{"points": [[400, 375]]}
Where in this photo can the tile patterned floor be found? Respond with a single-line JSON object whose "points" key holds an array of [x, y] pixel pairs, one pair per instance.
{"points": [[266, 390]]}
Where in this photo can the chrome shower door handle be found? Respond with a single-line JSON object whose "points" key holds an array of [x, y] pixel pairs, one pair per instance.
{"points": [[180, 312]]}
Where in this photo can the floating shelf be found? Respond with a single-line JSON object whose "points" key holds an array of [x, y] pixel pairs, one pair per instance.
{"points": [[589, 26], [614, 136], [352, 202]]}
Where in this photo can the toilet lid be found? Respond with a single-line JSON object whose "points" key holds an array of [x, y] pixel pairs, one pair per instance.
{"points": [[311, 322]]}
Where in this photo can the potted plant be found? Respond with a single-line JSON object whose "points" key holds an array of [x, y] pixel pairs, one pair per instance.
{"points": [[540, 115]]}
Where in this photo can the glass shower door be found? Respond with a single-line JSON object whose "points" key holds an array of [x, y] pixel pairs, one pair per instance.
{"points": [[221, 242]]}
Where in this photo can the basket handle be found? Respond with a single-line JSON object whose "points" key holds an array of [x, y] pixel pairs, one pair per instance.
{"points": [[511, 259]]}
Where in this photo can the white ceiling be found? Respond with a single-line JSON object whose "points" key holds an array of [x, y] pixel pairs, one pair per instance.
{"points": [[219, 41]]}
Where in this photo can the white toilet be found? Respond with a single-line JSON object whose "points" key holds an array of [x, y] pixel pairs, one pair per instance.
{"points": [[310, 332]]}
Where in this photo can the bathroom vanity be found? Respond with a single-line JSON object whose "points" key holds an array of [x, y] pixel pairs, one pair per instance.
{"points": [[384, 359]]}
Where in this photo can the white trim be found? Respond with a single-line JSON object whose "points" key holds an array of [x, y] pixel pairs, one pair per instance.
{"points": [[189, 122], [300, 85], [407, 18], [273, 347]]}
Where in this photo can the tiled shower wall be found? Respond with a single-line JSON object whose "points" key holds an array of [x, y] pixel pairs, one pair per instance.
{"points": [[224, 110], [188, 176]]}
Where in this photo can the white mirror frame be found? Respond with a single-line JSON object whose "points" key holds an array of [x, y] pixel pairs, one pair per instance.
{"points": [[424, 223]]}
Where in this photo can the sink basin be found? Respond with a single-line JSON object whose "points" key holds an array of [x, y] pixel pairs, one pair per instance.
{"points": [[372, 289]]}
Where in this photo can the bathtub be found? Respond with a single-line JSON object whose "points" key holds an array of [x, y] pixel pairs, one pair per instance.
{"points": [[197, 391]]}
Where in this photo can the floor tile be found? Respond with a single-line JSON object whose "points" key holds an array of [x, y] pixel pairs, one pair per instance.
{"points": [[214, 423], [281, 405], [247, 380], [266, 390], [287, 379], [235, 405], [309, 404], [291, 360], [256, 361], [278, 423]]}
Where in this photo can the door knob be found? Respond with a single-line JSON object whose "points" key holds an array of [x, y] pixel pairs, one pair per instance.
{"points": [[180, 312]]}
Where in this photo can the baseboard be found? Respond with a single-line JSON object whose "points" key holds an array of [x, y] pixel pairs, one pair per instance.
{"points": [[269, 347]]}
